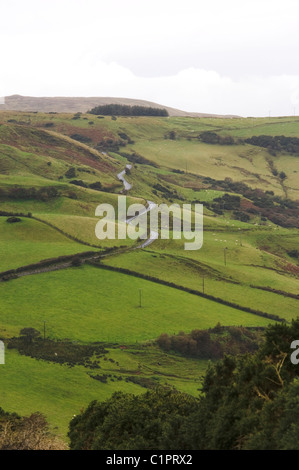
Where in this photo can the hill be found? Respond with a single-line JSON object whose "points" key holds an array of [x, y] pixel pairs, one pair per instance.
{"points": [[83, 104], [55, 168]]}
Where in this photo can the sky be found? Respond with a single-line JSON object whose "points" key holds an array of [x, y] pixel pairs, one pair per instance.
{"points": [[222, 57]]}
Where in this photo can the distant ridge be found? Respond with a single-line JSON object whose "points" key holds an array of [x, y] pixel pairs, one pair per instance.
{"points": [[62, 104]]}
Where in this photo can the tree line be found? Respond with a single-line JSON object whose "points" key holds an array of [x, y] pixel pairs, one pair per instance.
{"points": [[41, 194], [279, 210], [247, 402], [275, 143], [126, 110], [211, 344]]}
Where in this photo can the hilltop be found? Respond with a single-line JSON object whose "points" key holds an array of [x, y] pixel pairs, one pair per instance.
{"points": [[83, 104]]}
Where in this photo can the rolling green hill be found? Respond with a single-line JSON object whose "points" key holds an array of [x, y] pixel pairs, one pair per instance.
{"points": [[55, 169]]}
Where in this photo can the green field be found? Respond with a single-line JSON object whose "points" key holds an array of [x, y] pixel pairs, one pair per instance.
{"points": [[250, 262], [30, 241], [98, 305]]}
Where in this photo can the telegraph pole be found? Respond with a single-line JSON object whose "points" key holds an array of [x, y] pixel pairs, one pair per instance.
{"points": [[224, 251]]}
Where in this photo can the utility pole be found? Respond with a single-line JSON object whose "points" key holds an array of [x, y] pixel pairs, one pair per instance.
{"points": [[224, 251], [140, 297]]}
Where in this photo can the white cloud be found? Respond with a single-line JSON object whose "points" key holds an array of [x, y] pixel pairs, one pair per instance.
{"points": [[191, 89], [217, 57]]}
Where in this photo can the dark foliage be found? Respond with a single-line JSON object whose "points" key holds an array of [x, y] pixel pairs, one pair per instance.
{"points": [[125, 110], [211, 344], [167, 192], [210, 137], [41, 265], [279, 210], [248, 402], [293, 253], [13, 220], [226, 202], [146, 382], [41, 194], [127, 422], [275, 143], [125, 136], [71, 172], [30, 343], [137, 158], [79, 183], [81, 138]]}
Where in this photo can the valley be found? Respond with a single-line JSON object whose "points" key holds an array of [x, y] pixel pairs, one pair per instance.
{"points": [[56, 168]]}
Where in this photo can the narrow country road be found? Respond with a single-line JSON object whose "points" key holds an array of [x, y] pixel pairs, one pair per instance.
{"points": [[121, 177], [150, 205]]}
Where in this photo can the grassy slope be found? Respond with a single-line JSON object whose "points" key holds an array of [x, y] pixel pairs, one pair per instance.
{"points": [[30, 241], [59, 391], [91, 304], [79, 303]]}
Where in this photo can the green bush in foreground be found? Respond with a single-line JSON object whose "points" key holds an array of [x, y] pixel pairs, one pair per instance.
{"points": [[248, 402], [128, 422]]}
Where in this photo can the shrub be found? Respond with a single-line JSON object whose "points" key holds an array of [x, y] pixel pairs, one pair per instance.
{"points": [[70, 173], [12, 220], [81, 138]]}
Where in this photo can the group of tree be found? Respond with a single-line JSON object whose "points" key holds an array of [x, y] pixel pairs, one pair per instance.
{"points": [[226, 202], [97, 185], [247, 402], [275, 143], [13, 220], [279, 210], [31, 343], [172, 135], [293, 253], [22, 193], [111, 144], [127, 422], [135, 157], [167, 192], [81, 138], [229, 202], [210, 137], [211, 344], [126, 110]]}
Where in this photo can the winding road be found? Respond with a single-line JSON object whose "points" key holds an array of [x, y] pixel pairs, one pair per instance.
{"points": [[121, 177], [150, 205]]}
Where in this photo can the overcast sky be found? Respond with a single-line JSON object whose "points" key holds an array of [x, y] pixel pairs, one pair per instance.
{"points": [[212, 56]]}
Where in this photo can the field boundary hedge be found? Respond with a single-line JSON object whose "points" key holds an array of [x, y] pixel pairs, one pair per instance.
{"points": [[48, 263], [187, 289], [30, 216]]}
